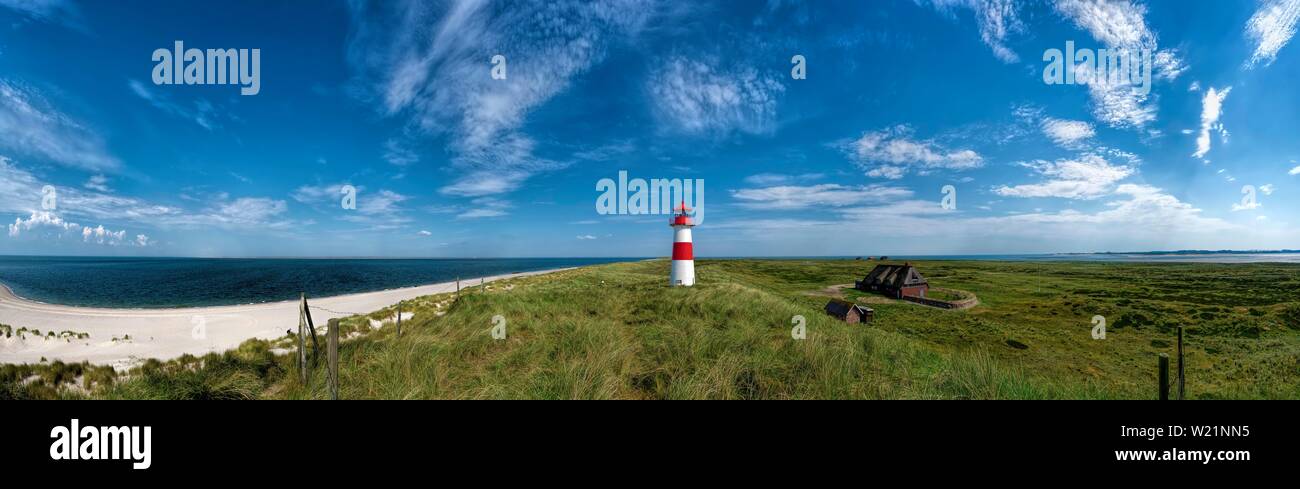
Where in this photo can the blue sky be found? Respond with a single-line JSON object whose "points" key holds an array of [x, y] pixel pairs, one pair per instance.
{"points": [[397, 99]]}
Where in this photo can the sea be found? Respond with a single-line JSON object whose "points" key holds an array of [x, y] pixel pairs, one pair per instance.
{"points": [[198, 282]]}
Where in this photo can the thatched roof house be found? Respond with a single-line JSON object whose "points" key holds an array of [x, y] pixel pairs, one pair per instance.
{"points": [[849, 312], [896, 281]]}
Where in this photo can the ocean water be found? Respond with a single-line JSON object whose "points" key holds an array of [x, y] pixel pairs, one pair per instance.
{"points": [[190, 282]]}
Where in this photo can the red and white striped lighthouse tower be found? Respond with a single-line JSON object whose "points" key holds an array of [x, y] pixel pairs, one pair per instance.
{"points": [[683, 273]]}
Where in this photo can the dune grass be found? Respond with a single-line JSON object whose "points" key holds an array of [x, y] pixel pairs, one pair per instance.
{"points": [[617, 332]]}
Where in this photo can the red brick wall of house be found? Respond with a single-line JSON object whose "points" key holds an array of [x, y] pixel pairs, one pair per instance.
{"points": [[915, 291]]}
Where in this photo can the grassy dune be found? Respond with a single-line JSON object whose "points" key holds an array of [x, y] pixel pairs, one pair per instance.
{"points": [[617, 332]]}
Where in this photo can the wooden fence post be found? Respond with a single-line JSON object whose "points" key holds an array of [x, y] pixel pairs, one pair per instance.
{"points": [[1181, 377], [457, 286], [399, 319], [1164, 376], [333, 358], [302, 346], [311, 328]]}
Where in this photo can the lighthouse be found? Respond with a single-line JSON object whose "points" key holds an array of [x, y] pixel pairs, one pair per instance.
{"points": [[683, 272]]}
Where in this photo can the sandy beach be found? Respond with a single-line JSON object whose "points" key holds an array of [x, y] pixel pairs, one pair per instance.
{"points": [[168, 333]]}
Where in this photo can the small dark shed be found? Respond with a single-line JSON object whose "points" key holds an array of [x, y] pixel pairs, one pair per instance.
{"points": [[849, 312]]}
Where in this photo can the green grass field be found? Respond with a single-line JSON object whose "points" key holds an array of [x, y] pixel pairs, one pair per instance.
{"points": [[618, 332]]}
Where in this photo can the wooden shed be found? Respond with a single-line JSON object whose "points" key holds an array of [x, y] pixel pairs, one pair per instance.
{"points": [[849, 312]]}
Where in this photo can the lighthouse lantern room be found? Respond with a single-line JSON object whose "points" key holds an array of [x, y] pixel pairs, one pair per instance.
{"points": [[683, 271]]}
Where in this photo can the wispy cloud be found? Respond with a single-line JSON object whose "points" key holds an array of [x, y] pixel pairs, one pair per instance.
{"points": [[828, 195], [58, 11], [58, 227], [1066, 133], [891, 153], [1121, 24], [764, 179], [693, 97], [1135, 215], [997, 20], [484, 207], [204, 113], [397, 153], [606, 152], [1271, 28], [97, 183], [1088, 177], [31, 126], [382, 208], [430, 63], [1211, 110]]}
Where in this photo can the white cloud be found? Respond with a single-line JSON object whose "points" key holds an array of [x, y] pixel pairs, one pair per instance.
{"points": [[891, 152], [694, 97], [1211, 109], [499, 168], [31, 126], [62, 11], [100, 235], [1271, 28], [1294, 171], [824, 195], [41, 219], [997, 19], [377, 208], [1121, 24], [429, 63], [1146, 207], [316, 194], [1135, 217], [51, 221], [1267, 189], [249, 210], [20, 192], [98, 183], [1067, 133], [480, 213], [764, 179], [586, 237], [1088, 177], [606, 152], [380, 203], [397, 153], [485, 207], [204, 113], [424, 233]]}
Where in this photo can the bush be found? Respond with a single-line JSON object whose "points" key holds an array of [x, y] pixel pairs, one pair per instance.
{"points": [[1290, 316]]}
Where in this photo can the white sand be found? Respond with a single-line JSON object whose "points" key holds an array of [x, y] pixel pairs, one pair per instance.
{"points": [[169, 333]]}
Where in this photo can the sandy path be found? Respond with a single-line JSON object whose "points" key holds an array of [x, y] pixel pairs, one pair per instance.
{"points": [[169, 333]]}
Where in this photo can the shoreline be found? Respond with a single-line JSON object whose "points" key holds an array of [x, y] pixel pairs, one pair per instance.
{"points": [[167, 333]]}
